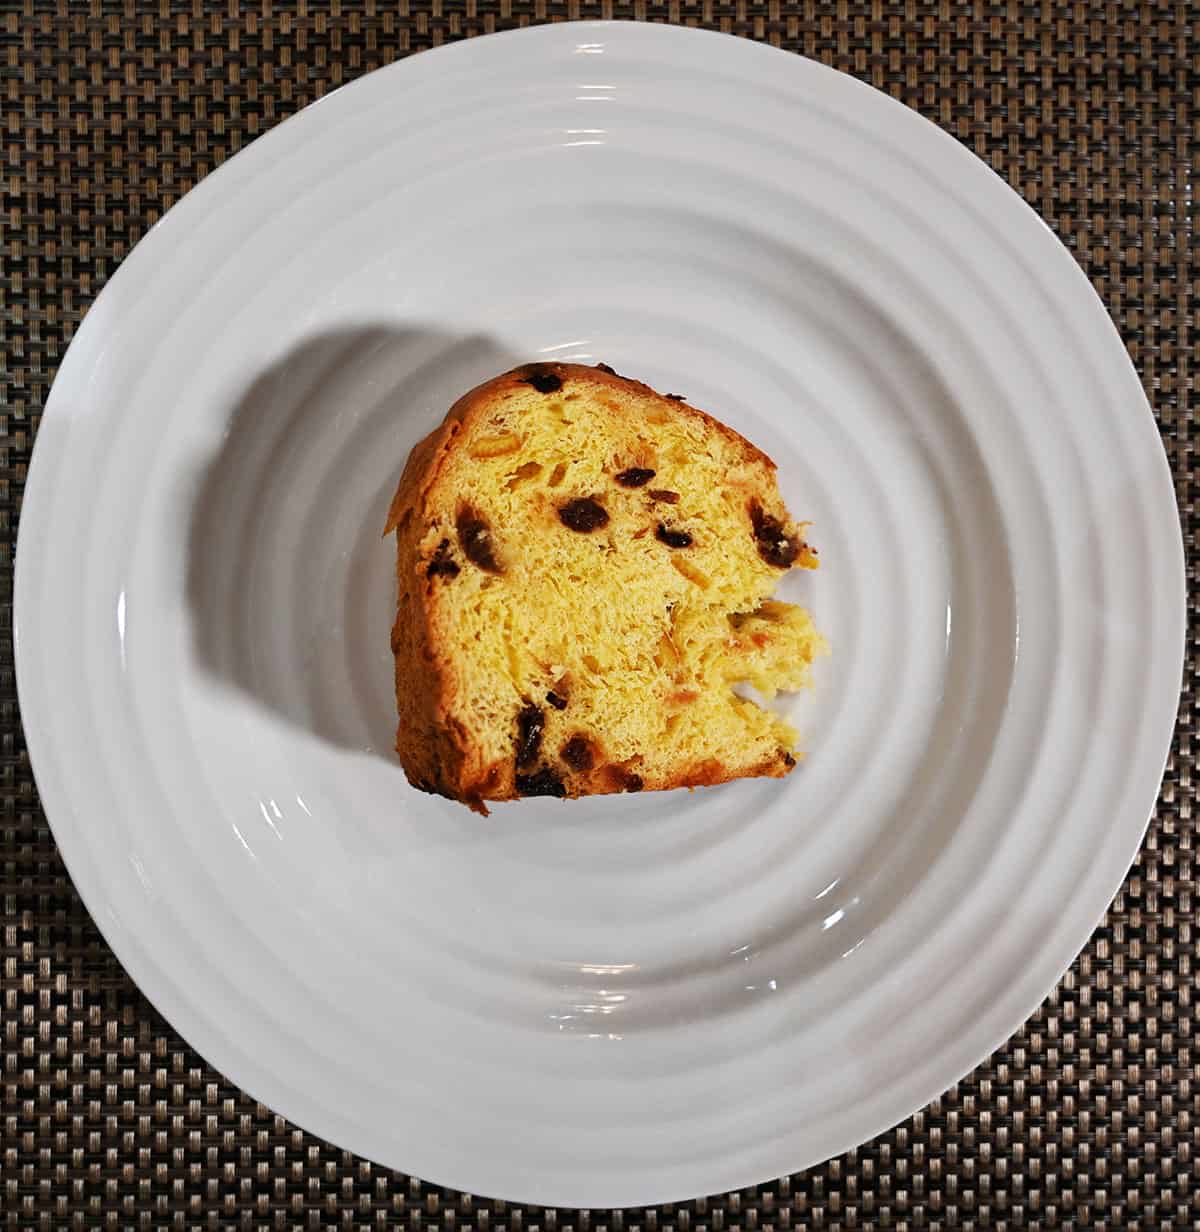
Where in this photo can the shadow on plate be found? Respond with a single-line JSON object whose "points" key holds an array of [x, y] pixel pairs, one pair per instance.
{"points": [[290, 585]]}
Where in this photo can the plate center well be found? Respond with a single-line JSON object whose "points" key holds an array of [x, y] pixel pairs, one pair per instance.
{"points": [[291, 596]]}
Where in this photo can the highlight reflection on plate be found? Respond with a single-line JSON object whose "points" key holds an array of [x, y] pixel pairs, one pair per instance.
{"points": [[621, 1000]]}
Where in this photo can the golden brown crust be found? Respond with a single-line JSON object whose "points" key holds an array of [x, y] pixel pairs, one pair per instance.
{"points": [[431, 755], [613, 380], [433, 746]]}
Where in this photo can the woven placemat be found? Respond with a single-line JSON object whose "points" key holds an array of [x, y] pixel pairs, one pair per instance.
{"points": [[1090, 1115]]}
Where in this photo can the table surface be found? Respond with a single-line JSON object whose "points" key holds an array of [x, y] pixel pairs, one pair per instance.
{"points": [[110, 112]]}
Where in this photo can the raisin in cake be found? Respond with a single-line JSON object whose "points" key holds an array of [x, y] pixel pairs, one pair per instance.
{"points": [[584, 569]]}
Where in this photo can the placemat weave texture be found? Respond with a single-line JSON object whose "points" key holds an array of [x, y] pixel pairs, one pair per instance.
{"points": [[1090, 1115]]}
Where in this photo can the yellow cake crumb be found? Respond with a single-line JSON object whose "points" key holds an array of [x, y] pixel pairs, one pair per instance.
{"points": [[584, 576]]}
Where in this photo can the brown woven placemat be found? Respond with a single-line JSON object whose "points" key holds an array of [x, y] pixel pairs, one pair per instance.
{"points": [[1090, 1115]]}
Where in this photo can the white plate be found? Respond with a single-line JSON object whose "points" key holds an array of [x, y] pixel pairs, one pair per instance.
{"points": [[624, 1000]]}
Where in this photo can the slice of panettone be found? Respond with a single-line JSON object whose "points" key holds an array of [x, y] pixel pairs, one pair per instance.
{"points": [[584, 572]]}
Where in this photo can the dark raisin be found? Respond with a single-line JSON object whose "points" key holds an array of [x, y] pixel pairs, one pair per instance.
{"points": [[578, 753], [621, 779], [665, 495], [556, 700], [788, 759], [677, 397], [530, 725], [475, 537], [673, 538], [583, 514], [635, 477], [606, 368], [543, 380], [774, 546], [442, 564], [543, 783]]}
